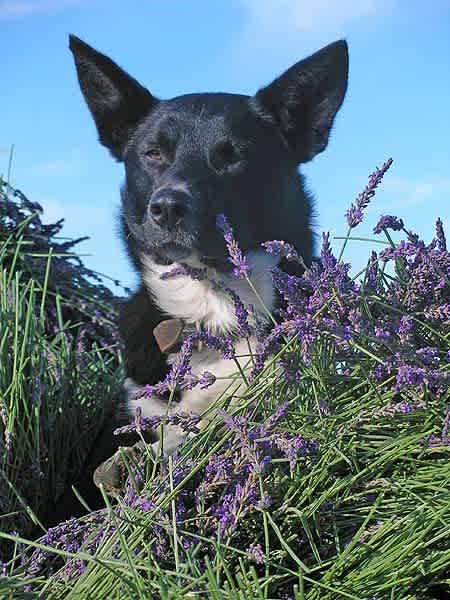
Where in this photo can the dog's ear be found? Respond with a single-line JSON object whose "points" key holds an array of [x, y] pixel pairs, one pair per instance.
{"points": [[116, 100], [304, 100]]}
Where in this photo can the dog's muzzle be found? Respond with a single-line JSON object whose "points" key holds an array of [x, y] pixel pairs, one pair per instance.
{"points": [[169, 208]]}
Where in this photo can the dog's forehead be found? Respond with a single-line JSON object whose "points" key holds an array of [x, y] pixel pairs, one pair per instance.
{"points": [[206, 105], [207, 113]]}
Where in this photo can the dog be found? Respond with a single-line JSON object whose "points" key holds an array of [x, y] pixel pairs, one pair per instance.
{"points": [[186, 161]]}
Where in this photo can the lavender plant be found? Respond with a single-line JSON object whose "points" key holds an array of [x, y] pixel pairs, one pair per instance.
{"points": [[59, 364], [38, 251], [327, 478]]}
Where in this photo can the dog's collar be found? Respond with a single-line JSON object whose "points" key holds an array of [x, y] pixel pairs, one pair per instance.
{"points": [[171, 333]]}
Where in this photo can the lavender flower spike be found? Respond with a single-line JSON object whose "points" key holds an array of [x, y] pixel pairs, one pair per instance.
{"points": [[183, 269], [440, 236], [388, 222], [206, 380], [235, 256], [326, 254], [282, 249], [188, 422], [355, 212], [256, 553]]}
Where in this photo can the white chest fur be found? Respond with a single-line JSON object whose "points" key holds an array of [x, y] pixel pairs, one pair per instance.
{"points": [[200, 302]]}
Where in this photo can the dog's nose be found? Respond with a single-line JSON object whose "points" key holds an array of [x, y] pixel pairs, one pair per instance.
{"points": [[169, 209]]}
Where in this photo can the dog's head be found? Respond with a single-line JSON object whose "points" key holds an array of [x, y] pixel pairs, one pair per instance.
{"points": [[192, 157]]}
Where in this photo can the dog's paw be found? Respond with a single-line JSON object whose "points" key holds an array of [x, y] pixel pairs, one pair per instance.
{"points": [[111, 475]]}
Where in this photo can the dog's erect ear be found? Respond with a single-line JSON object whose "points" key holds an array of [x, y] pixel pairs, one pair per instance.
{"points": [[304, 100], [116, 100]]}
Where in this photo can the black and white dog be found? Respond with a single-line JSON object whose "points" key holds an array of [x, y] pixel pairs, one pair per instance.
{"points": [[186, 161]]}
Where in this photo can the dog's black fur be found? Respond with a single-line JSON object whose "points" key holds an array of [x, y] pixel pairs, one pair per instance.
{"points": [[192, 157]]}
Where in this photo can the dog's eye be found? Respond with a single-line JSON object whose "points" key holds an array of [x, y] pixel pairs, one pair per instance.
{"points": [[224, 155], [153, 154]]}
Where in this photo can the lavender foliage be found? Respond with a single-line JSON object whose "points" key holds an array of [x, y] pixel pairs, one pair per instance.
{"points": [[84, 297], [59, 362], [385, 315], [359, 365], [217, 500]]}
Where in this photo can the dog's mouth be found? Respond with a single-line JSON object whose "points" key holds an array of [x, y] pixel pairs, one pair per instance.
{"points": [[167, 247], [173, 253], [179, 245]]}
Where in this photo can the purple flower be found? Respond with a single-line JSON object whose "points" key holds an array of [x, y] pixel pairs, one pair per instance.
{"points": [[405, 328], [388, 222], [225, 513], [69, 536], [409, 375], [145, 505], [328, 260], [222, 344], [264, 463], [235, 256], [404, 249], [31, 204], [428, 355], [355, 213], [218, 467], [241, 313], [382, 333], [256, 553], [158, 389], [292, 446], [372, 272], [139, 424], [277, 416], [292, 288], [438, 313], [324, 408], [186, 421], [434, 441], [440, 236], [264, 503], [282, 249], [181, 365], [199, 274], [180, 375], [206, 380]]}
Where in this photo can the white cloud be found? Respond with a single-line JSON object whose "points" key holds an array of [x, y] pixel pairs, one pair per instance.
{"points": [[24, 8], [409, 193], [309, 15], [283, 31]]}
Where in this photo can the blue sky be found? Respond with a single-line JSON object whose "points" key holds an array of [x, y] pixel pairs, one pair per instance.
{"points": [[397, 102]]}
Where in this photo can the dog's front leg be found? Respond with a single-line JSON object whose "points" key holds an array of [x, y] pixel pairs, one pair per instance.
{"points": [[196, 401], [172, 435], [202, 402], [144, 361]]}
